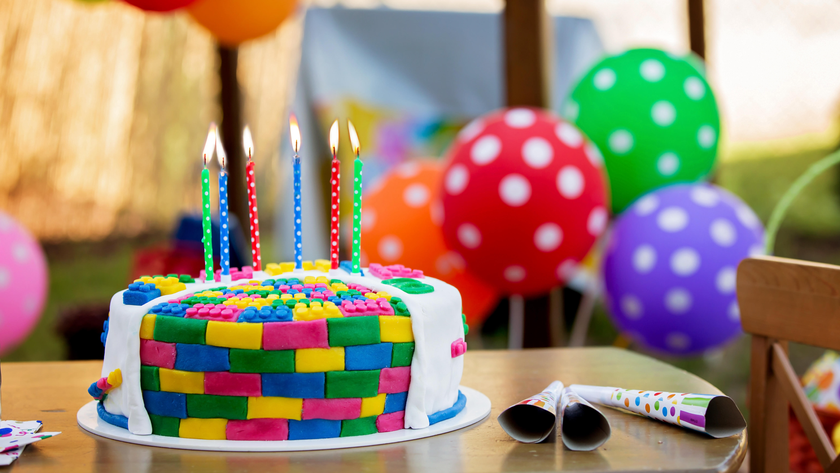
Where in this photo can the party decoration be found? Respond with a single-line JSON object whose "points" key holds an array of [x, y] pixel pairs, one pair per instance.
{"points": [[670, 265], [206, 225], [715, 415], [524, 199], [159, 5], [23, 283], [233, 23], [652, 115], [821, 382], [253, 212], [357, 201], [224, 228], [401, 224]]}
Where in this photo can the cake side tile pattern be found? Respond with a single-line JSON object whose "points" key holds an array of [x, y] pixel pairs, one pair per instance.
{"points": [[279, 359]]}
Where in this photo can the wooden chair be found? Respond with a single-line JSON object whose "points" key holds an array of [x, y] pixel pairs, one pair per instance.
{"points": [[785, 300]]}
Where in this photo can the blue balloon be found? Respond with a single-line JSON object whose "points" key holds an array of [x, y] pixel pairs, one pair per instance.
{"points": [[670, 265]]}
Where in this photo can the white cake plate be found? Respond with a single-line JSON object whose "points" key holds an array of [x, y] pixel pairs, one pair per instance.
{"points": [[478, 407]]}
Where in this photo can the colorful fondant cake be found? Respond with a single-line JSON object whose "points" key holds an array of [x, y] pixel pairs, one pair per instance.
{"points": [[282, 354]]}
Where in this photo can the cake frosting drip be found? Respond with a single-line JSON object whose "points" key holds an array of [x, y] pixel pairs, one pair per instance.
{"points": [[199, 344]]}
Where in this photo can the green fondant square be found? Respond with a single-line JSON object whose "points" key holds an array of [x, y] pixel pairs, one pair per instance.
{"points": [[401, 354], [362, 426], [211, 406], [262, 361], [349, 331], [149, 378], [180, 330], [166, 426], [352, 384]]}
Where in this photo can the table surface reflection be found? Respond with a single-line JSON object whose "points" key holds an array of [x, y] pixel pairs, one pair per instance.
{"points": [[53, 392]]}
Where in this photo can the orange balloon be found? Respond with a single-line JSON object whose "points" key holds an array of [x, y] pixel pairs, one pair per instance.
{"points": [[401, 225], [234, 22]]}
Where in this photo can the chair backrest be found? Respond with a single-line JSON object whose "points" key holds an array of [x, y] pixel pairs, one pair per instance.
{"points": [[785, 300]]}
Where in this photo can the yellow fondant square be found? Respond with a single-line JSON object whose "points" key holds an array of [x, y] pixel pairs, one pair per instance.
{"points": [[323, 265], [208, 429], [273, 269], [274, 408], [316, 360], [176, 381], [147, 327], [373, 406], [308, 266], [395, 329], [234, 335]]}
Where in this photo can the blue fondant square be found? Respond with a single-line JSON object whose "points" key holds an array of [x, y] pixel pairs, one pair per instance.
{"points": [[166, 404], [367, 357], [191, 357], [140, 296], [395, 402], [314, 429], [296, 385]]}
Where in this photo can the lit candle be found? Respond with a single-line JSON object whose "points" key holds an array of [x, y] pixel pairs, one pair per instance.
{"points": [[294, 131], [335, 186], [224, 230], [357, 199], [250, 182], [206, 224]]}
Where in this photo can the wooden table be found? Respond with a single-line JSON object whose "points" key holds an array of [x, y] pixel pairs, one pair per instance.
{"points": [[53, 392]]}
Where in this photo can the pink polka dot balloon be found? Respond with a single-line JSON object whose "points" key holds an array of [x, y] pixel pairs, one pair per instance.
{"points": [[524, 199], [23, 283], [670, 265]]}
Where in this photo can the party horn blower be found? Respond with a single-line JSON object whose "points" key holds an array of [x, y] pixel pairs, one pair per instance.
{"points": [[715, 415], [532, 420], [582, 426]]}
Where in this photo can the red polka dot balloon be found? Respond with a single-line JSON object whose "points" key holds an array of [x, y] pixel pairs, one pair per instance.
{"points": [[159, 5], [524, 199]]}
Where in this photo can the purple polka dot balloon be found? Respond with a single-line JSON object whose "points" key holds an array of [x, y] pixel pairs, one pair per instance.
{"points": [[669, 270]]}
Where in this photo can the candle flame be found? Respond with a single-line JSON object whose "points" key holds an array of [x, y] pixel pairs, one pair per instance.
{"points": [[209, 144], [247, 142], [334, 138], [220, 150], [294, 132], [354, 138]]}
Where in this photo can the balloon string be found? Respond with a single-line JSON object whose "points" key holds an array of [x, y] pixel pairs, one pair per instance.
{"points": [[793, 191]]}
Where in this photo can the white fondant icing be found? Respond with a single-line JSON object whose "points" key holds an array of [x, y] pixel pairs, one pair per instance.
{"points": [[435, 321]]}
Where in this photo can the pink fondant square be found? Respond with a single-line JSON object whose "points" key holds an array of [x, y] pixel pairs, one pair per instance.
{"points": [[292, 335], [232, 384], [258, 429], [394, 380], [390, 422], [332, 409], [153, 353]]}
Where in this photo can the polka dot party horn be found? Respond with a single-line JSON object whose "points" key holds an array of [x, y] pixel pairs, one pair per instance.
{"points": [[533, 419], [714, 415]]}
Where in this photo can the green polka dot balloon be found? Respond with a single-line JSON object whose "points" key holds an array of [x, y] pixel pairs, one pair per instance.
{"points": [[654, 118]]}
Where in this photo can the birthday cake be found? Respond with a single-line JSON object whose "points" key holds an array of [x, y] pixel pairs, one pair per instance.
{"points": [[281, 354]]}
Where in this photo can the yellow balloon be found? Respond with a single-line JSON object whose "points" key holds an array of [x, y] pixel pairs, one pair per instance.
{"points": [[234, 22]]}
